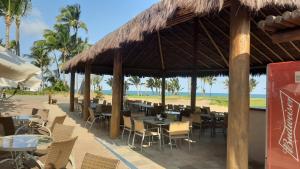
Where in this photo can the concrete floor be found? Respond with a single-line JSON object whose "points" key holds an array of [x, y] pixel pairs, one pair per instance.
{"points": [[206, 152]]}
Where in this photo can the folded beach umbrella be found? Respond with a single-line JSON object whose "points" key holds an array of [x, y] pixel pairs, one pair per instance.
{"points": [[13, 67]]}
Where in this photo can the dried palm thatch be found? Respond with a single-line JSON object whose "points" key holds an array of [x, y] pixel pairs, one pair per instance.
{"points": [[138, 38]]}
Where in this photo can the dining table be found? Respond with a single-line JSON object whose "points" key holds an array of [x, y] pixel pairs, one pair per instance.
{"points": [[22, 145], [159, 123]]}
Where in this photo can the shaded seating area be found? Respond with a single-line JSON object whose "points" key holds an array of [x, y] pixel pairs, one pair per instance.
{"points": [[189, 38]]}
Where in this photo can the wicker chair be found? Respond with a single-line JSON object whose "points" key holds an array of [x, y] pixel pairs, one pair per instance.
{"points": [[178, 130], [137, 114], [127, 127], [60, 133], [139, 129], [58, 154], [43, 113], [190, 120], [91, 161], [57, 120], [91, 119]]}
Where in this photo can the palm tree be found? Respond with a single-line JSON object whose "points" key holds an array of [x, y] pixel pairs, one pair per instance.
{"points": [[150, 84], [7, 10], [41, 59], [203, 81], [211, 80], [70, 15], [21, 8], [126, 86], [174, 86], [136, 81], [96, 81], [252, 84], [226, 83], [109, 81], [157, 84]]}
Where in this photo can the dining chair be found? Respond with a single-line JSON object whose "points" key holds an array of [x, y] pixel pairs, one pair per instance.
{"points": [[140, 130], [7, 126], [127, 127], [190, 120], [178, 130], [197, 121], [57, 120], [58, 154], [91, 119], [137, 114], [91, 161], [43, 113], [60, 132]]}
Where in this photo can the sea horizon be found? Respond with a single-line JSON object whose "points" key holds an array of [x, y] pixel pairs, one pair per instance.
{"points": [[150, 93]]}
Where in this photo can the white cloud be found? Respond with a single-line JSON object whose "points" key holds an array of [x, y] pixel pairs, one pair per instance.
{"points": [[33, 24]]}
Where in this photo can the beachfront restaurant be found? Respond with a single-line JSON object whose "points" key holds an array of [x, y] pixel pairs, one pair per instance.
{"points": [[194, 39]]}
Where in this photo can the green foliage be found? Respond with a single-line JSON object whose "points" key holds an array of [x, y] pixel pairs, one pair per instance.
{"points": [[109, 81], [60, 86], [173, 86]]}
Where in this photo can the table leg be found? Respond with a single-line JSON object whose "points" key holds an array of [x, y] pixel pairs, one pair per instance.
{"points": [[160, 141]]}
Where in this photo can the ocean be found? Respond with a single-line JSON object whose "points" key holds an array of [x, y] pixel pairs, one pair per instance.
{"points": [[150, 93]]}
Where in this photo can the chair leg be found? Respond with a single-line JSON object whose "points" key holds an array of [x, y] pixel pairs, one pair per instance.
{"points": [[189, 142], [129, 137], [86, 122], [133, 139], [123, 133], [92, 124], [170, 140], [143, 137]]}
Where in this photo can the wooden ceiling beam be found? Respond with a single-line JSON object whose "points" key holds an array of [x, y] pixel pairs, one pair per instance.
{"points": [[214, 43], [269, 36], [286, 36], [160, 52], [184, 51], [143, 51], [198, 51], [227, 36], [201, 45]]}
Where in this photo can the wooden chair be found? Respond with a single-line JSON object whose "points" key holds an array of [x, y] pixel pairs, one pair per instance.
{"points": [[58, 154], [190, 120], [134, 115], [91, 161], [92, 118], [127, 127], [139, 130], [178, 130]]}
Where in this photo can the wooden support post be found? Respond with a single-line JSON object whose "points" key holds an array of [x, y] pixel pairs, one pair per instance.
{"points": [[72, 91], [239, 63], [194, 76], [116, 96], [193, 93], [163, 92], [122, 92], [87, 90]]}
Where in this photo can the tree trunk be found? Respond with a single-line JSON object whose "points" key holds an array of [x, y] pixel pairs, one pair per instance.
{"points": [[18, 22], [7, 32], [72, 91]]}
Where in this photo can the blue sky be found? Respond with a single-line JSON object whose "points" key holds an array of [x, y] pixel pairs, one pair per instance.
{"points": [[101, 17]]}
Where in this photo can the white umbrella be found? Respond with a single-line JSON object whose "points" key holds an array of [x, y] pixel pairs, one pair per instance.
{"points": [[13, 67]]}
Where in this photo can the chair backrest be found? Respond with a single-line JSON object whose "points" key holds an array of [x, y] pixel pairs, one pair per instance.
{"points": [[137, 114], [62, 132], [179, 126], [139, 126], [58, 120], [155, 104], [104, 102], [98, 108], [170, 106], [59, 153], [7, 126], [196, 118], [43, 113], [92, 114], [189, 119], [127, 122], [95, 100], [149, 103], [206, 109], [91, 161], [76, 100]]}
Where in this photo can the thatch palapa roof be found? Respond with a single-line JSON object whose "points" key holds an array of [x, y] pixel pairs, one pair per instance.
{"points": [[160, 40]]}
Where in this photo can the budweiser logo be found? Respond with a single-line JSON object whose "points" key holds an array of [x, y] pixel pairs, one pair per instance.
{"points": [[290, 110]]}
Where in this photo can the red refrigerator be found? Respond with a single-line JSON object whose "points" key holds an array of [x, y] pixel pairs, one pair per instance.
{"points": [[283, 122]]}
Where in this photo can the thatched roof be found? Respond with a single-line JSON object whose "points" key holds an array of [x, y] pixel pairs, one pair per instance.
{"points": [[138, 40]]}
